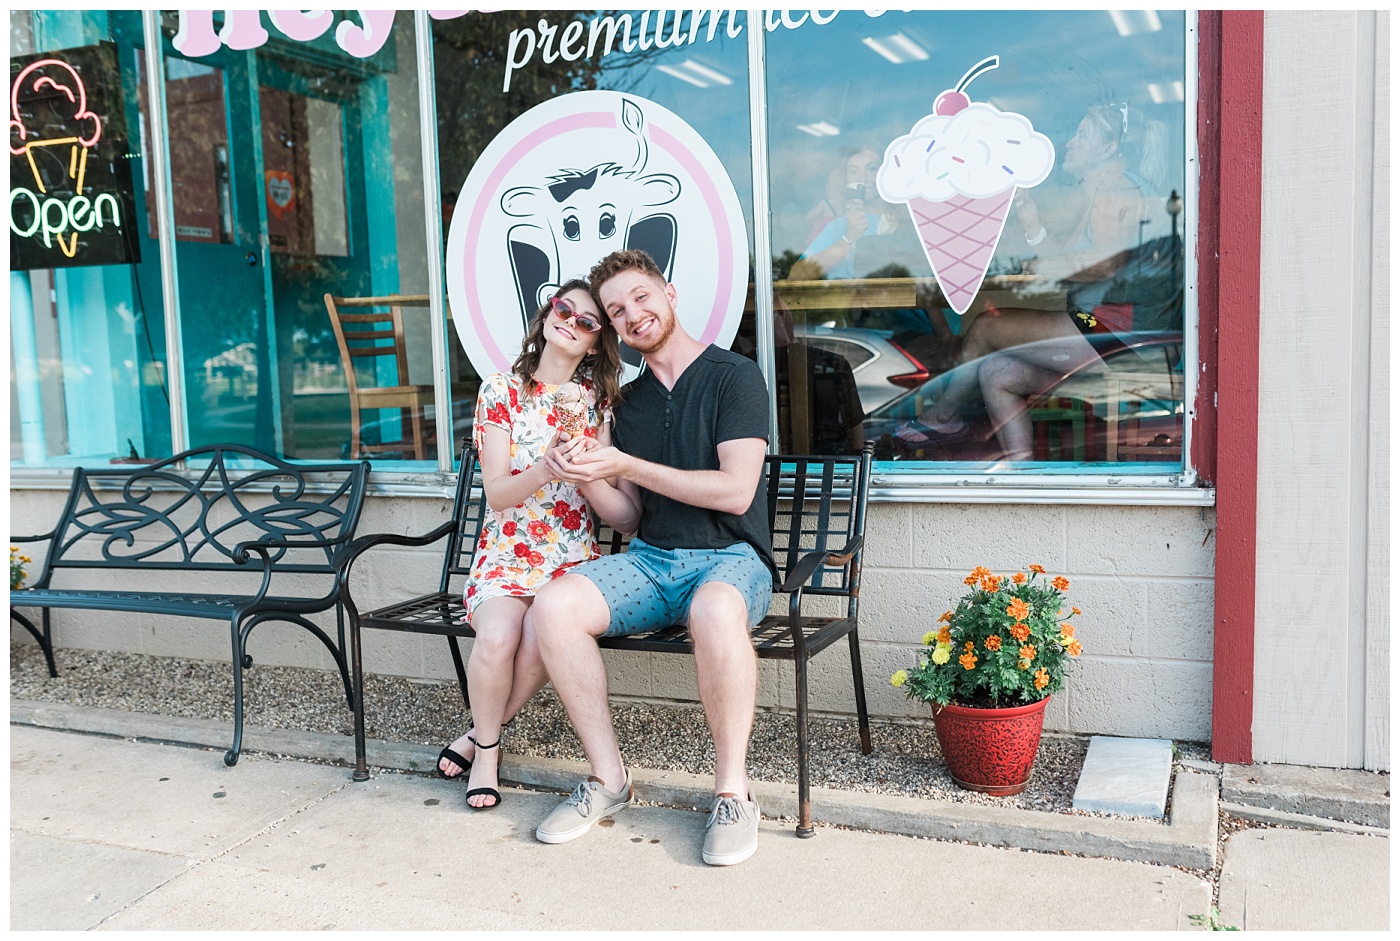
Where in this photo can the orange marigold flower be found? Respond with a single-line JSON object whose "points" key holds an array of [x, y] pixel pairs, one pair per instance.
{"points": [[993, 642], [1027, 652], [1018, 609], [1024, 664], [969, 580], [1038, 569], [990, 582], [1067, 629], [1021, 632], [1042, 678], [980, 572], [968, 661], [946, 616], [967, 645], [1075, 610], [945, 636], [1073, 648], [1018, 579], [1059, 582]]}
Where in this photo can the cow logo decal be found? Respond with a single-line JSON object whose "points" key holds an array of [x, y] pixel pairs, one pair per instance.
{"points": [[568, 182]]}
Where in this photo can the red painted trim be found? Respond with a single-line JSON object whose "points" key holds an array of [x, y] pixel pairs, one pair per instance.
{"points": [[1235, 47]]}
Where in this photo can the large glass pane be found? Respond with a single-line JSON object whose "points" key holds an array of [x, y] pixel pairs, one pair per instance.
{"points": [[977, 223], [564, 136], [87, 369], [317, 342]]}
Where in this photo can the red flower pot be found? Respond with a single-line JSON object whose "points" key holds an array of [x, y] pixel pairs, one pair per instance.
{"points": [[990, 750]]}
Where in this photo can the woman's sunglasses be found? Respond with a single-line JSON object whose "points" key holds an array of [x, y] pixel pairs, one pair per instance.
{"points": [[565, 311]]}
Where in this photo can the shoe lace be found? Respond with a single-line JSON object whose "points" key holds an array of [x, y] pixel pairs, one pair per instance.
{"points": [[582, 797], [728, 810]]}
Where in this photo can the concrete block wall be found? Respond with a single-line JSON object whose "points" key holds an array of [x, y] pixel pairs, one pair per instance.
{"points": [[1142, 575]]}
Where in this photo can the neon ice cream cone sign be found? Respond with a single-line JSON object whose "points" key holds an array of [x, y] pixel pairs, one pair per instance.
{"points": [[57, 81], [957, 170]]}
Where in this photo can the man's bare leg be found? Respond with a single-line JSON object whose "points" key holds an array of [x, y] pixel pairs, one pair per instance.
{"points": [[568, 617], [727, 673]]}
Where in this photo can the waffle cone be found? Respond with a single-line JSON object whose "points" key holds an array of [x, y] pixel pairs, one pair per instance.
{"points": [[959, 236]]}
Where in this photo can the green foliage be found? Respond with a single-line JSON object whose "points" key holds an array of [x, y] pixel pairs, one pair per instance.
{"points": [[1211, 922], [1005, 643]]}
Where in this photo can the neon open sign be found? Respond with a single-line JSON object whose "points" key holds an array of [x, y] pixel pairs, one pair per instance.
{"points": [[71, 200]]}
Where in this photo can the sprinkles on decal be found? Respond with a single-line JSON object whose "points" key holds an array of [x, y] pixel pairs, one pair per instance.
{"points": [[959, 160], [896, 159], [930, 145], [942, 176], [1010, 141], [1008, 169]]}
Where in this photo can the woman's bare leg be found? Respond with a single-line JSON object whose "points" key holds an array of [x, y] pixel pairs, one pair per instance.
{"points": [[1009, 377]]}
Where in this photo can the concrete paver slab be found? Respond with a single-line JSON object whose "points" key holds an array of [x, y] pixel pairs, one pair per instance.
{"points": [[1128, 776], [201, 806], [1277, 880], [1357, 796], [69, 885]]}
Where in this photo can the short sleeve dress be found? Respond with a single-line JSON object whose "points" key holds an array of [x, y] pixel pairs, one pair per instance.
{"points": [[524, 546]]}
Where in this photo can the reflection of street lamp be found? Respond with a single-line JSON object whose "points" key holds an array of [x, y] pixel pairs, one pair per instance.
{"points": [[1174, 210]]}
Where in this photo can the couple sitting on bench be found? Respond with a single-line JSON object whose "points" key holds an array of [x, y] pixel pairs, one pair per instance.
{"points": [[677, 457]]}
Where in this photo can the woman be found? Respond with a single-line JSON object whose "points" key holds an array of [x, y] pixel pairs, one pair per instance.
{"points": [[1118, 160], [536, 526]]}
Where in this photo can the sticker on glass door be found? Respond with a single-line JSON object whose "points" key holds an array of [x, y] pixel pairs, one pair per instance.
{"points": [[572, 180]]}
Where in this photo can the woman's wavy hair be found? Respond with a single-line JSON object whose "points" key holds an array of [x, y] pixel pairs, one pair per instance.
{"points": [[602, 365], [1142, 144]]}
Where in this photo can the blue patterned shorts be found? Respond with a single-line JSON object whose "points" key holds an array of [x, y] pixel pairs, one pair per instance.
{"points": [[648, 588]]}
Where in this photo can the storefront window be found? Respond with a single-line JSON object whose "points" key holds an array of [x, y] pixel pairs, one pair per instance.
{"points": [[87, 369], [563, 136], [297, 180], [977, 238]]}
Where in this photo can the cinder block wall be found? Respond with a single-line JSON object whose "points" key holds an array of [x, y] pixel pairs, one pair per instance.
{"points": [[1143, 576]]}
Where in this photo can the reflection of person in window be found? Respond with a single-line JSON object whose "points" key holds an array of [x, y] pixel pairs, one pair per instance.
{"points": [[1119, 160], [832, 410], [832, 253]]}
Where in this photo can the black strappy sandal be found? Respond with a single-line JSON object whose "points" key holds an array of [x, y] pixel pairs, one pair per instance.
{"points": [[456, 759], [487, 791]]}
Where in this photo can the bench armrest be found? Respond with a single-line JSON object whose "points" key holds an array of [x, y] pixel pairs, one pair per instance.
{"points": [[807, 565], [45, 536], [365, 543]]}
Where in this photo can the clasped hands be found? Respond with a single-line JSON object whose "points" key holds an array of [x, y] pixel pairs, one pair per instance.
{"points": [[582, 459]]}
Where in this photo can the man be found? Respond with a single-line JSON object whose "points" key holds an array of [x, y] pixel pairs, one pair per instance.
{"points": [[689, 440]]}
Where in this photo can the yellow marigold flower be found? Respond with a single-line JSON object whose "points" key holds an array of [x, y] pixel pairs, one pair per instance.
{"points": [[945, 636], [1024, 664], [968, 661], [1067, 629], [899, 678], [993, 642], [1059, 582], [1027, 652], [1038, 569], [990, 582], [1073, 648], [1018, 609], [1075, 610], [942, 654], [1021, 632], [929, 638], [946, 616], [1018, 579], [1042, 678]]}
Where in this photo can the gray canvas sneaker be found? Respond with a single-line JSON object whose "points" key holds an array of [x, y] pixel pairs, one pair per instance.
{"points": [[731, 835], [589, 803]]}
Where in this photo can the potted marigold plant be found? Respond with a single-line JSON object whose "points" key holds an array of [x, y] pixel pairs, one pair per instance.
{"points": [[988, 672]]}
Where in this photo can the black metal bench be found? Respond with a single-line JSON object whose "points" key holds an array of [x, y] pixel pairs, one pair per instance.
{"points": [[816, 510], [231, 504]]}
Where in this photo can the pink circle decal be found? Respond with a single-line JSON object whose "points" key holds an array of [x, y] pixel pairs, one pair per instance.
{"points": [[573, 179]]}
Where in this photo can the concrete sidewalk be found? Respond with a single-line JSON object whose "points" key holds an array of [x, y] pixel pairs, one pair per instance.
{"points": [[118, 834]]}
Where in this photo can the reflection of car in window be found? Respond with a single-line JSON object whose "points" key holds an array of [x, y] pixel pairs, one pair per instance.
{"points": [[1125, 406], [883, 369]]}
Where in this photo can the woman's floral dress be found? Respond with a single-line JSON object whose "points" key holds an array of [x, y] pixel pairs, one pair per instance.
{"points": [[523, 547]]}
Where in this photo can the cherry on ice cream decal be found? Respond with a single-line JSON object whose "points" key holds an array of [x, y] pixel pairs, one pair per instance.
{"points": [[572, 180], [957, 171]]}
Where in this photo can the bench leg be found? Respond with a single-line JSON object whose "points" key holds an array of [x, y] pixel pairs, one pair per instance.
{"points": [[805, 830], [44, 639], [231, 756], [357, 700], [862, 714], [461, 670]]}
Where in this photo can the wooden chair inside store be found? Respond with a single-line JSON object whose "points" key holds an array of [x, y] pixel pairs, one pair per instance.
{"points": [[369, 331], [1062, 428]]}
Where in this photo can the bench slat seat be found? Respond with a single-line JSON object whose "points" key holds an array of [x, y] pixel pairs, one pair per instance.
{"points": [[816, 517], [195, 606]]}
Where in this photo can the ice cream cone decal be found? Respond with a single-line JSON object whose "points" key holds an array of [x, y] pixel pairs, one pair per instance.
{"points": [[957, 170], [54, 78]]}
